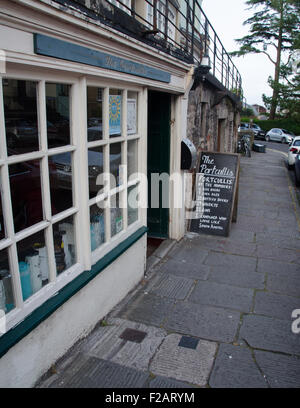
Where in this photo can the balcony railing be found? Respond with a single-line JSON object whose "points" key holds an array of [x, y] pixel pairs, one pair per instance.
{"points": [[177, 27]]}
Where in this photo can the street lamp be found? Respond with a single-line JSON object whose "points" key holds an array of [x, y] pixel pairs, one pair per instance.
{"points": [[203, 69]]}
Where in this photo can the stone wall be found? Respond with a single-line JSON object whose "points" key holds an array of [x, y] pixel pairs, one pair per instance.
{"points": [[213, 119]]}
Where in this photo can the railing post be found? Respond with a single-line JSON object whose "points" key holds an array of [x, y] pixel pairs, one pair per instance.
{"points": [[215, 51], [193, 27]]}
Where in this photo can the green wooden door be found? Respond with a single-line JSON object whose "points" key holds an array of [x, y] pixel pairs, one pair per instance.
{"points": [[159, 111]]}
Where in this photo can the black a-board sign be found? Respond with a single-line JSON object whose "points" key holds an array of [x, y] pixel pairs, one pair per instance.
{"points": [[217, 189]]}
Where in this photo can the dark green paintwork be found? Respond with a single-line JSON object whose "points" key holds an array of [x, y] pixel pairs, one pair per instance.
{"points": [[159, 114]]}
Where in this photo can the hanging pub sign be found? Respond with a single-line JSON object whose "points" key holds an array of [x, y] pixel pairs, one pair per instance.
{"points": [[219, 193]]}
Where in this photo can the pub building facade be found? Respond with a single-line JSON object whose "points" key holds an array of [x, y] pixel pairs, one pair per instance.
{"points": [[88, 88]]}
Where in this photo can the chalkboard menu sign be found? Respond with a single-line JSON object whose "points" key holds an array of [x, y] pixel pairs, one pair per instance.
{"points": [[216, 187]]}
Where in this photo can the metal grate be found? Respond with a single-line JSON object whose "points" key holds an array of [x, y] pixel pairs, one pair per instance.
{"points": [[135, 336]]}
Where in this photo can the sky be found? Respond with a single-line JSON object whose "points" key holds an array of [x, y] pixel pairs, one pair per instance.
{"points": [[227, 17]]}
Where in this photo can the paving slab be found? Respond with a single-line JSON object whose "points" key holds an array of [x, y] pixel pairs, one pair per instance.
{"points": [[184, 269], [288, 285], [97, 373], [174, 287], [235, 247], [271, 266], [275, 305], [281, 371], [107, 343], [235, 368], [229, 261], [182, 363], [278, 240], [206, 322], [188, 254], [272, 252], [268, 333], [237, 277], [217, 294], [164, 382], [148, 309]]}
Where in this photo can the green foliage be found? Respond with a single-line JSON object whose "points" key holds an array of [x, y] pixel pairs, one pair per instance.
{"points": [[275, 25], [285, 123], [248, 112]]}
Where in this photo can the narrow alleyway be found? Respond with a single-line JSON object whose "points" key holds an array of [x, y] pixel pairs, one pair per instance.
{"points": [[214, 312]]}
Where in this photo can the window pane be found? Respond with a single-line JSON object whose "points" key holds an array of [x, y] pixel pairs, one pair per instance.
{"points": [[33, 264], [95, 163], [2, 226], [6, 292], [115, 161], [25, 186], [60, 173], [20, 110], [97, 226], [58, 114], [132, 113], [132, 204], [116, 219], [64, 244], [132, 157], [94, 113], [115, 113]]}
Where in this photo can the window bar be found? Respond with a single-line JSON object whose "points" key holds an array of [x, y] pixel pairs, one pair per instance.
{"points": [[45, 185], [154, 26], [166, 18], [7, 211]]}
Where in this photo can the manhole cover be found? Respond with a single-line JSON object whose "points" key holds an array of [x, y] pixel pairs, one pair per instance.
{"points": [[136, 336], [188, 342]]}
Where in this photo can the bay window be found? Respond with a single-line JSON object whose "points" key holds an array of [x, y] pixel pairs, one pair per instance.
{"points": [[49, 202]]}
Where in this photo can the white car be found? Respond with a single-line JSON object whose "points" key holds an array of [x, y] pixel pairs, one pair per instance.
{"points": [[294, 149], [280, 135]]}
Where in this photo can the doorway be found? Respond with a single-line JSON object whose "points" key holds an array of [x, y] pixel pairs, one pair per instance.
{"points": [[158, 160]]}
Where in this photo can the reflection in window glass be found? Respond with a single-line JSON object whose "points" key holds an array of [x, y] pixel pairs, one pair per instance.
{"points": [[132, 204], [115, 160], [33, 264], [97, 226], [132, 113], [60, 173], [115, 113], [94, 113], [6, 292], [64, 244], [2, 226], [132, 157], [116, 217], [58, 114], [25, 187], [95, 163], [20, 110]]}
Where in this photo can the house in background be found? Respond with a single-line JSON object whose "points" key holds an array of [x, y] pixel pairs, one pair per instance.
{"points": [[87, 88]]}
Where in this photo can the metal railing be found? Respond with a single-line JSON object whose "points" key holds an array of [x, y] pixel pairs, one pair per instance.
{"points": [[177, 27]]}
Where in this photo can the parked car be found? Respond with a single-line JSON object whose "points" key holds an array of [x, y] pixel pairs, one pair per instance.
{"points": [[280, 135], [294, 149], [258, 132], [297, 169], [243, 126]]}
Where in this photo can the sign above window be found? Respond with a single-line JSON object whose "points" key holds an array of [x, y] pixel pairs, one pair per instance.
{"points": [[53, 47]]}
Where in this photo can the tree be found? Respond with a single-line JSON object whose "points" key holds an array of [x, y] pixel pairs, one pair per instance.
{"points": [[274, 25]]}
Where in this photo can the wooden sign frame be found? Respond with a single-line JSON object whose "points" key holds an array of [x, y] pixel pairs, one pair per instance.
{"points": [[232, 217]]}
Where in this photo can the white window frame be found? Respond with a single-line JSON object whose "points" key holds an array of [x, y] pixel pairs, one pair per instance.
{"points": [[81, 202], [105, 142]]}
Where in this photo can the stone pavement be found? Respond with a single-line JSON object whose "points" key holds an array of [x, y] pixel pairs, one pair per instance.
{"points": [[211, 311]]}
